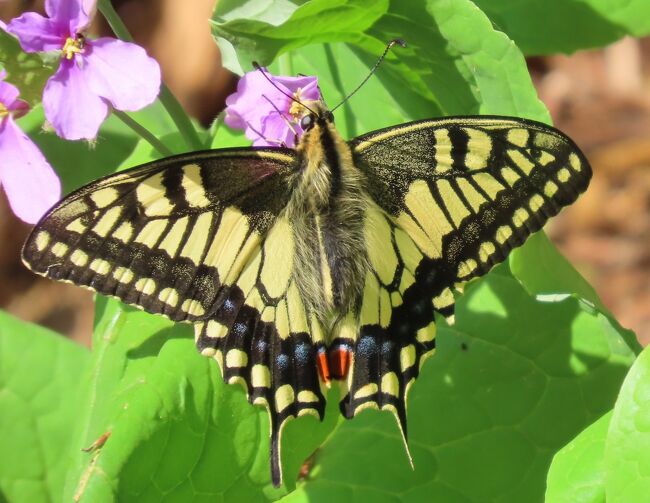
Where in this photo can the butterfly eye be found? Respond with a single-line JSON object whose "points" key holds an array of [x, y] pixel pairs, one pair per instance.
{"points": [[307, 122]]}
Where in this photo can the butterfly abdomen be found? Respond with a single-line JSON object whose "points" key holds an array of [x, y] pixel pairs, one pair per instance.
{"points": [[327, 211]]}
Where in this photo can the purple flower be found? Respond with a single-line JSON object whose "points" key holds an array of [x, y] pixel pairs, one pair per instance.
{"points": [[31, 185], [268, 116], [93, 76]]}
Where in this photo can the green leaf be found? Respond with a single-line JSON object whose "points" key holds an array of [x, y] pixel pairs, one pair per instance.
{"points": [[291, 26], [176, 430], [455, 62], [40, 374], [272, 12], [470, 67], [577, 473], [542, 270], [627, 450], [511, 383], [222, 136], [28, 72], [458, 63], [144, 152], [567, 25], [447, 68]]}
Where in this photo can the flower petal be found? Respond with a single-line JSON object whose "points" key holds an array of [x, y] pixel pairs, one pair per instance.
{"points": [[73, 109], [276, 132], [254, 100], [122, 73], [311, 91], [72, 14], [31, 185], [8, 93], [258, 106], [305, 83], [37, 33]]}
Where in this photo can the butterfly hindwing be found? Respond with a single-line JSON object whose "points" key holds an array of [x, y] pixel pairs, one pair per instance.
{"points": [[396, 328], [453, 197], [263, 336]]}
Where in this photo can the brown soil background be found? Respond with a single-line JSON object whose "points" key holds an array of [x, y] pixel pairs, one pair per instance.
{"points": [[600, 98]]}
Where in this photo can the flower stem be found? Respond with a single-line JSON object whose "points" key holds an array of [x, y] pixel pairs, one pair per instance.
{"points": [[166, 97], [286, 64], [180, 118], [143, 132]]}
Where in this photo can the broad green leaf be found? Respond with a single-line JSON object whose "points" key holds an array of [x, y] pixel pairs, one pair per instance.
{"points": [[567, 25], [511, 383], [272, 12], [144, 152], [577, 473], [177, 431], [222, 136], [542, 270], [627, 449], [28, 72], [455, 62], [468, 65], [278, 30], [156, 119], [40, 374], [447, 68]]}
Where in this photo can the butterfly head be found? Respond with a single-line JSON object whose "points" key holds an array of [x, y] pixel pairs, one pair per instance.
{"points": [[317, 115]]}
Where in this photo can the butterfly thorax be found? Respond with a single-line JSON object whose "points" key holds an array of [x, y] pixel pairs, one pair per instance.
{"points": [[326, 210]]}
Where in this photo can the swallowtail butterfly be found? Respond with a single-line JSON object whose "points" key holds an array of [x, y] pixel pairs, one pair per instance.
{"points": [[299, 267]]}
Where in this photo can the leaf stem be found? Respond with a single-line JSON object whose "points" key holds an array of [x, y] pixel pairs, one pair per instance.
{"points": [[166, 97], [143, 132], [114, 20]]}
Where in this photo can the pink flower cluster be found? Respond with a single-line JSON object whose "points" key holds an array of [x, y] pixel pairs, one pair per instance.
{"points": [[27, 178], [93, 77], [267, 113]]}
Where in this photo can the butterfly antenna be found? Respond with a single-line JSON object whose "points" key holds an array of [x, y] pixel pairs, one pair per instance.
{"points": [[258, 67], [389, 46]]}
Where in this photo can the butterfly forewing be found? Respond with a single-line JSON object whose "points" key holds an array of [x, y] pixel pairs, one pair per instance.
{"points": [[469, 189], [169, 236]]}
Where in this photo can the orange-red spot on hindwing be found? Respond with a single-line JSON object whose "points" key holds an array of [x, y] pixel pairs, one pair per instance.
{"points": [[323, 366], [339, 360]]}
